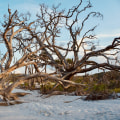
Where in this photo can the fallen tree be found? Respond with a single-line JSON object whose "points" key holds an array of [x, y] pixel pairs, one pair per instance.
{"points": [[33, 45]]}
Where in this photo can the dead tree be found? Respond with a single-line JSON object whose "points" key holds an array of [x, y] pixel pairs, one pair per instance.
{"points": [[19, 37], [50, 26], [12, 34], [82, 46], [31, 39]]}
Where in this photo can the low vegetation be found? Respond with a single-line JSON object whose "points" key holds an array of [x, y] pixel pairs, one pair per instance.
{"points": [[100, 85]]}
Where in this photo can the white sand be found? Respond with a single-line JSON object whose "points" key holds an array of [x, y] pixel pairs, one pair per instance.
{"points": [[54, 108]]}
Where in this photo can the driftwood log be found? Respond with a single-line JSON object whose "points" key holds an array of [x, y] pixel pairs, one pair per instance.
{"points": [[101, 96]]}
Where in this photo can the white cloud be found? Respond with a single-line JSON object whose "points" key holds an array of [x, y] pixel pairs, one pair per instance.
{"points": [[108, 35], [19, 70]]}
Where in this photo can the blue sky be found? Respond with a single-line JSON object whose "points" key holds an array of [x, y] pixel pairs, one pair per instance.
{"points": [[108, 28]]}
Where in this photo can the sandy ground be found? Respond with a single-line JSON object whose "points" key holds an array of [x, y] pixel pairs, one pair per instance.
{"points": [[55, 108]]}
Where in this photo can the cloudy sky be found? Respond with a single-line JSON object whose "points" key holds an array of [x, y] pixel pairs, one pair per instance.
{"points": [[108, 28]]}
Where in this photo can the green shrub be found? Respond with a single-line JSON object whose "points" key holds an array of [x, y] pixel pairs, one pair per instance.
{"points": [[117, 90], [97, 88], [59, 88], [44, 89]]}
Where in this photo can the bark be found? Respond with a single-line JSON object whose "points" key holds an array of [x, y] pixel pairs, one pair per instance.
{"points": [[36, 42]]}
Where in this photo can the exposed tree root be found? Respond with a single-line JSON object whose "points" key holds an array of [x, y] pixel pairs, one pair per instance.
{"points": [[4, 103], [55, 93], [73, 100], [101, 96], [12, 99], [20, 94]]}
